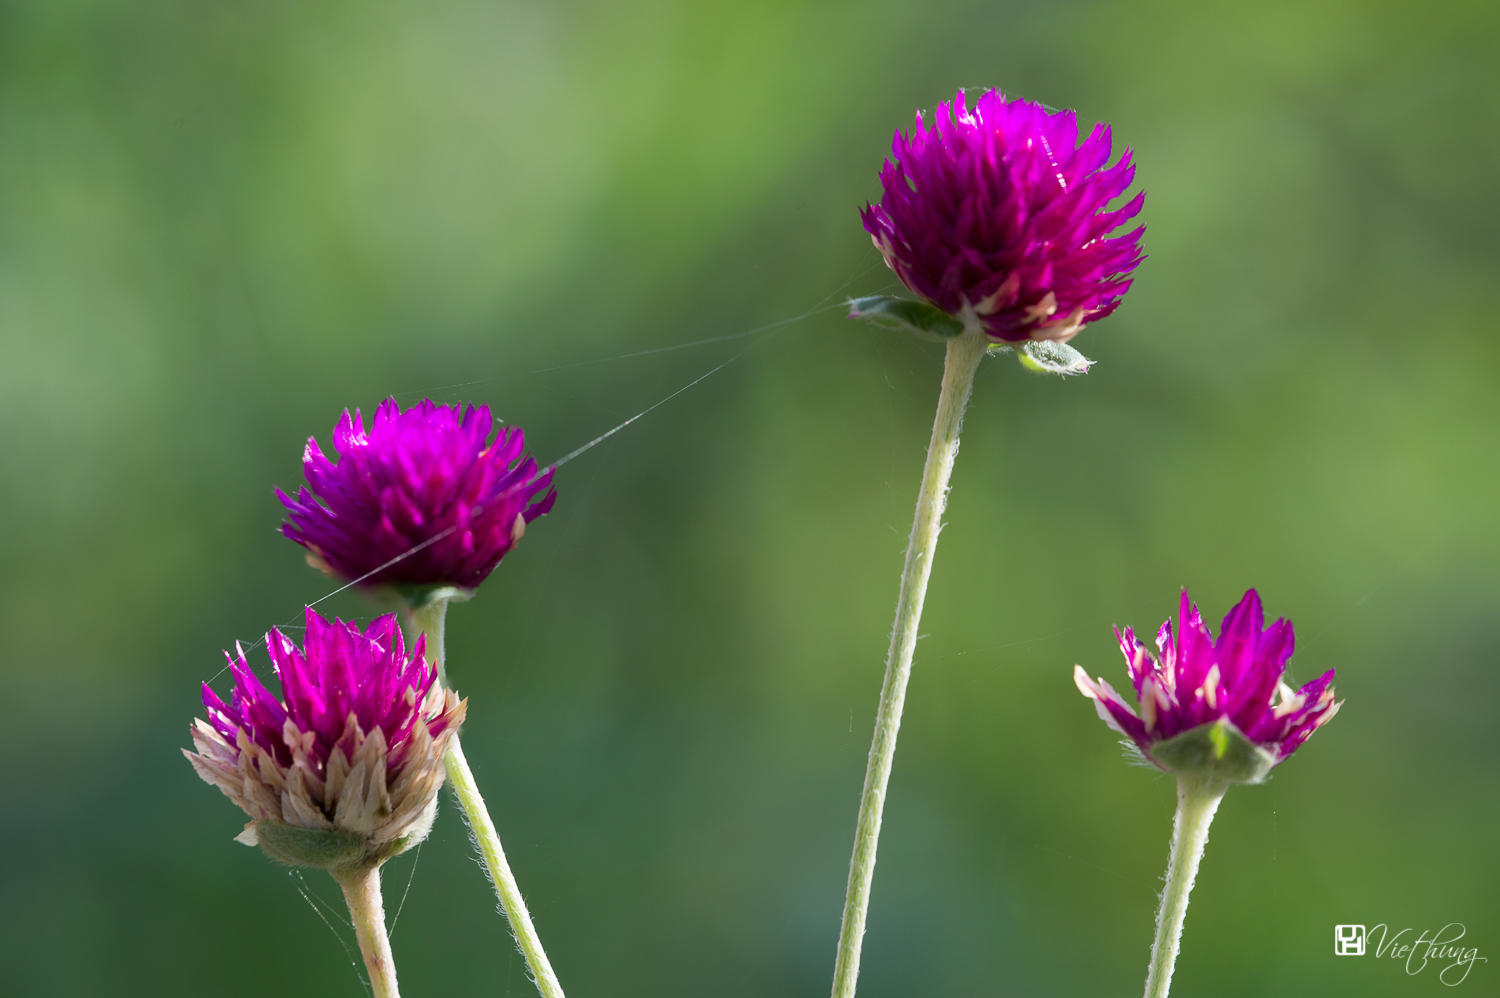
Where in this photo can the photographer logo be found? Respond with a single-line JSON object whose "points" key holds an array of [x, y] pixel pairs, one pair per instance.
{"points": [[1349, 940]]}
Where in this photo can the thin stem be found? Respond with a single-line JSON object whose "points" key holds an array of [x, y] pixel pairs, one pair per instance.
{"points": [[361, 888], [964, 354], [1197, 800], [429, 620]]}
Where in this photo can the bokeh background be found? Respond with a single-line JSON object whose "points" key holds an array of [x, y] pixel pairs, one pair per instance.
{"points": [[220, 224]]}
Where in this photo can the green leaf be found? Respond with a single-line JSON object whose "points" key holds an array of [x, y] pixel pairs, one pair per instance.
{"points": [[913, 317], [1051, 357], [308, 846], [1218, 751]]}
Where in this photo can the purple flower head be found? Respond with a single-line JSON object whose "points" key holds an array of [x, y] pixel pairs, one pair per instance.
{"points": [[1198, 695], [354, 745], [997, 215], [427, 481]]}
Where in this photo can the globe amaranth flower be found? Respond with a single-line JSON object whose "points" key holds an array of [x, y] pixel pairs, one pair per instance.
{"points": [[1213, 706], [426, 483], [345, 768], [997, 216]]}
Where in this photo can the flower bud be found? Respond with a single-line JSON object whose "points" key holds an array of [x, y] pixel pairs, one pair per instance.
{"points": [[1219, 710], [344, 770], [424, 501], [998, 217]]}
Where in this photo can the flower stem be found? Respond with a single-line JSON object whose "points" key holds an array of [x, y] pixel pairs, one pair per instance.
{"points": [[964, 354], [361, 886], [429, 620], [1197, 800]]}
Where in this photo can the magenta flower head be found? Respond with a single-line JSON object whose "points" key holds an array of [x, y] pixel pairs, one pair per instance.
{"points": [[344, 769], [996, 217], [422, 500], [1221, 709]]}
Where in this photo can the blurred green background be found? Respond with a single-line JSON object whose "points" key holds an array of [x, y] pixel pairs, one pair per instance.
{"points": [[220, 224]]}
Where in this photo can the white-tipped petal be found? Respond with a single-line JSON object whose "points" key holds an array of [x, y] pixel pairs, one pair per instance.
{"points": [[1084, 683], [1209, 691]]}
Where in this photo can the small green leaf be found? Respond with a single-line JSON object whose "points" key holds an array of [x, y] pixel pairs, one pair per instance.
{"points": [[1051, 357], [914, 317], [1217, 750], [296, 846]]}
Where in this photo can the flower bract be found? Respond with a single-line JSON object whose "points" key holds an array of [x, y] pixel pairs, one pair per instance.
{"points": [[1215, 705], [423, 498], [997, 215], [345, 766]]}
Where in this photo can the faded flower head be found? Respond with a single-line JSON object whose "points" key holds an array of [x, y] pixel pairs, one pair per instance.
{"points": [[1221, 707], [345, 768], [997, 215], [428, 481]]}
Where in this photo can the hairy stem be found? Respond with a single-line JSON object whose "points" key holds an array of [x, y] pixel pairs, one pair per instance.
{"points": [[1197, 800], [429, 620], [361, 886], [964, 354]]}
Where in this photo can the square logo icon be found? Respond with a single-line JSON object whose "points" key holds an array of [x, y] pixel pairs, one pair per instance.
{"points": [[1349, 940]]}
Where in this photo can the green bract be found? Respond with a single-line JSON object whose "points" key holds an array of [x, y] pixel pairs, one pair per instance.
{"points": [[1217, 751], [1051, 357], [914, 317], [330, 849]]}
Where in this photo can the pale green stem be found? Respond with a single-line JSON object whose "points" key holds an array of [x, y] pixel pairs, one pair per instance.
{"points": [[964, 354], [1197, 800], [361, 886], [429, 620]]}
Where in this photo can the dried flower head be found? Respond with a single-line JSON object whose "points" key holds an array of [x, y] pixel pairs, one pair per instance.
{"points": [[425, 483], [997, 216], [345, 769], [1222, 706]]}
